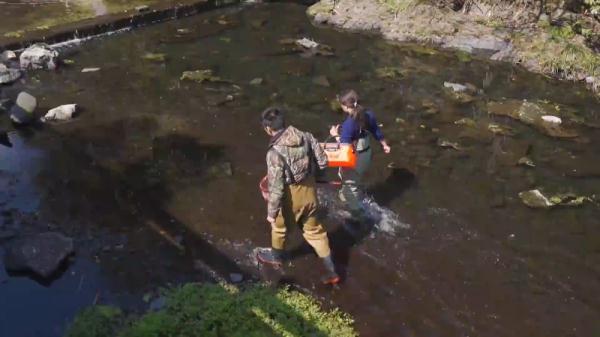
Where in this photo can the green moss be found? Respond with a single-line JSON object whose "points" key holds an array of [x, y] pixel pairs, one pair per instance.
{"points": [[195, 310], [96, 321], [15, 34], [463, 56]]}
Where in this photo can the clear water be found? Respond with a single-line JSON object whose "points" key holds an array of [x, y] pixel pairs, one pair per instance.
{"points": [[452, 250]]}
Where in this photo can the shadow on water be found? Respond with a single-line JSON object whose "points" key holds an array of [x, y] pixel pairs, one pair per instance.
{"points": [[385, 191], [141, 193]]}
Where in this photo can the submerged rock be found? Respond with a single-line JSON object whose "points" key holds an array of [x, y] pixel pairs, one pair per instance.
{"points": [[448, 144], [257, 81], [39, 56], [307, 43], [466, 122], [536, 199], [309, 47], [8, 75], [389, 72], [155, 57], [526, 161], [430, 107], [200, 76], [61, 113], [499, 129], [531, 114], [322, 81], [460, 92], [456, 87], [41, 254]]}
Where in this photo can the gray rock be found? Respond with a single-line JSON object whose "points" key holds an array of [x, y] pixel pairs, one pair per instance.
{"points": [[455, 87], [27, 102], [41, 254], [8, 55], [502, 54], [61, 113], [8, 75], [236, 277], [39, 56], [473, 43], [22, 112]]}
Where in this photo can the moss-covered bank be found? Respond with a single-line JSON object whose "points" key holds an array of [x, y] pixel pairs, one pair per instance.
{"points": [[195, 310]]}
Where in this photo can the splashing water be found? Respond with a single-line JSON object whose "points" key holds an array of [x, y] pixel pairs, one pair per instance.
{"points": [[383, 219]]}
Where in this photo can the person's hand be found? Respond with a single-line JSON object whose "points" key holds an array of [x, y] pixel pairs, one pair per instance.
{"points": [[386, 147], [334, 131], [270, 220]]}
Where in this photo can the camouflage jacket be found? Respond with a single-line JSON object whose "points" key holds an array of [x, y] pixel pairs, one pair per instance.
{"points": [[289, 161]]}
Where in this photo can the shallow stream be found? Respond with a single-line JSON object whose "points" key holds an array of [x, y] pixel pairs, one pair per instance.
{"points": [[452, 251]]}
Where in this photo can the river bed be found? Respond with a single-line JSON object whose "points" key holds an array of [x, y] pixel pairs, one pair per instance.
{"points": [[452, 251]]}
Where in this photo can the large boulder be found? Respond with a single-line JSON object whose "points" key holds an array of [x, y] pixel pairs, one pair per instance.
{"points": [[39, 56], [40, 254]]}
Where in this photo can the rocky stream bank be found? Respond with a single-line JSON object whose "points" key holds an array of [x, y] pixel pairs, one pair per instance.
{"points": [[555, 41]]}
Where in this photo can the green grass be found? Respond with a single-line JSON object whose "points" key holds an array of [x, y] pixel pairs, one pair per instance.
{"points": [[561, 51], [97, 321], [195, 310]]}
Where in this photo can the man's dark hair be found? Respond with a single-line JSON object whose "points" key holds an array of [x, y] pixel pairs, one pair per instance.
{"points": [[273, 118]]}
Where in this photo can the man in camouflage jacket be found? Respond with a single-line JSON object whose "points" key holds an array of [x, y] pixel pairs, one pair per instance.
{"points": [[292, 192]]}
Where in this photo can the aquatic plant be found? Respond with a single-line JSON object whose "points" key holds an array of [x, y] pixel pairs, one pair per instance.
{"points": [[225, 310]]}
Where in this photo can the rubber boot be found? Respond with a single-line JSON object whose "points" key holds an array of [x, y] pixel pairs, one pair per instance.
{"points": [[270, 256], [330, 277]]}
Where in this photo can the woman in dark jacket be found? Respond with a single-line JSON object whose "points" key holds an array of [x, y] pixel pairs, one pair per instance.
{"points": [[355, 130]]}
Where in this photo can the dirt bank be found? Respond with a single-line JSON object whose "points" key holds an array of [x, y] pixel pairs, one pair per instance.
{"points": [[554, 41]]}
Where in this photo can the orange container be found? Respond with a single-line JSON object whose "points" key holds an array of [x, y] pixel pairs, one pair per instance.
{"points": [[340, 155]]}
